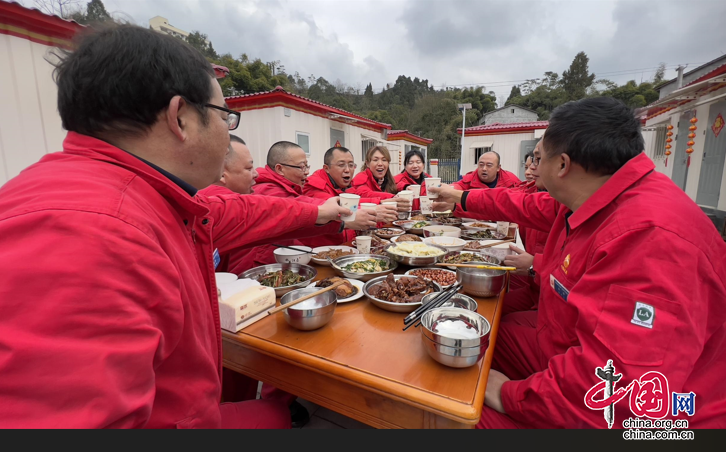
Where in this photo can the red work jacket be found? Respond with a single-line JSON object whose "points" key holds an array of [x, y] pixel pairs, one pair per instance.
{"points": [[107, 292], [471, 181], [366, 186], [639, 245], [318, 185]]}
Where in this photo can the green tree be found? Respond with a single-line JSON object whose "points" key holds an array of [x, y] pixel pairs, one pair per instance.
{"points": [[199, 41], [96, 12], [577, 79], [516, 92], [659, 74]]}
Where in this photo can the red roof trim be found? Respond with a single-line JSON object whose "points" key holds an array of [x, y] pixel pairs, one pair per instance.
{"points": [[497, 128], [33, 25], [280, 96], [220, 71], [653, 112], [397, 135]]}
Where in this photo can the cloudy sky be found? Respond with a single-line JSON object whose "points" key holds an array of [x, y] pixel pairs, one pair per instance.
{"points": [[452, 42]]}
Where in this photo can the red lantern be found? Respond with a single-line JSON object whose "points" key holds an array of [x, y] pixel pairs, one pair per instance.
{"points": [[670, 127], [667, 146], [669, 140], [689, 151], [667, 152], [691, 135], [692, 128], [694, 120], [691, 143], [669, 134]]}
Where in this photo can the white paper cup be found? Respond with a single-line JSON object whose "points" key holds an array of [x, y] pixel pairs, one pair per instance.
{"points": [[363, 243], [350, 202], [427, 206], [503, 227], [368, 206], [432, 182], [416, 189]]}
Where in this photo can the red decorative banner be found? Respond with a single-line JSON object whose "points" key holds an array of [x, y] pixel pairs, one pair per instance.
{"points": [[717, 125]]}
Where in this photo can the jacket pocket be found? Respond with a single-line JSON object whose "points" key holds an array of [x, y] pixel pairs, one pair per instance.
{"points": [[637, 327]]}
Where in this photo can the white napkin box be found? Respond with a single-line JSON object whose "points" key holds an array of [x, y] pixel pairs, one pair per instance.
{"points": [[245, 307]]}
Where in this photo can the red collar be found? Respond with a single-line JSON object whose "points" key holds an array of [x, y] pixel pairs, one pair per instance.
{"points": [[95, 149], [637, 168], [321, 180], [268, 176]]}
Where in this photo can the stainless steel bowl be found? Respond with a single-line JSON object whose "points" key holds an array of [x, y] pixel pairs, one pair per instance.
{"points": [[481, 256], [418, 231], [457, 301], [341, 262], [388, 305], [481, 282], [455, 327], [305, 270], [416, 261], [310, 314], [453, 356]]}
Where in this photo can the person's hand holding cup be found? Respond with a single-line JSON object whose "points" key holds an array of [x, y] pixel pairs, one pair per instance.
{"points": [[385, 213], [432, 182], [448, 196], [350, 202]]}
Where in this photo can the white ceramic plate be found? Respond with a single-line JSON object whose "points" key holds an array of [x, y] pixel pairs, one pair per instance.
{"points": [[468, 225], [321, 249], [358, 284]]}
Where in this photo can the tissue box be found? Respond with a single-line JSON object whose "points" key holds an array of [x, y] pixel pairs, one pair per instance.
{"points": [[245, 307]]}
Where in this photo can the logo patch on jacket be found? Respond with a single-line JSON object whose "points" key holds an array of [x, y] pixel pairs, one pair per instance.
{"points": [[566, 263], [643, 315]]}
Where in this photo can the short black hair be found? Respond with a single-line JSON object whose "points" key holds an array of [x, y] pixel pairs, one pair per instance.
{"points": [[120, 77], [600, 134], [499, 159], [410, 154], [529, 155], [278, 152], [236, 139], [328, 157]]}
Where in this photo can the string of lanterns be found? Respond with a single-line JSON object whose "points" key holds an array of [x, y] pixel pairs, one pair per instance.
{"points": [[669, 140], [692, 135]]}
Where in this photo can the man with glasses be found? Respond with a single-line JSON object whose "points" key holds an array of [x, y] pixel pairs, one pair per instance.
{"points": [[489, 174], [335, 178], [124, 330]]}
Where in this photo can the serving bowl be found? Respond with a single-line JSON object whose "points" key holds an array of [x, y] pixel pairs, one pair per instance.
{"points": [[439, 231], [322, 249], [408, 226], [455, 337], [387, 233], [413, 272], [468, 225], [459, 300], [310, 314], [480, 282], [453, 356], [450, 243], [415, 261], [305, 270], [389, 305], [341, 262], [288, 256]]}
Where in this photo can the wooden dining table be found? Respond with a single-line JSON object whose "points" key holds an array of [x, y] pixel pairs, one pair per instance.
{"points": [[362, 365]]}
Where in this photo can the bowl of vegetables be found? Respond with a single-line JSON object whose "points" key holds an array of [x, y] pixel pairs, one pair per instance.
{"points": [[282, 277], [364, 267], [416, 227]]}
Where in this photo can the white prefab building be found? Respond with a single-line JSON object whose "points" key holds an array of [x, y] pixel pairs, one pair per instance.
{"points": [[272, 116], [509, 114], [700, 173], [30, 125], [511, 141]]}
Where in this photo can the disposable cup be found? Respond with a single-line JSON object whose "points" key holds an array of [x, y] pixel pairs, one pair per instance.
{"points": [[432, 182], [427, 206], [503, 227], [363, 243], [368, 206], [350, 202], [416, 189]]}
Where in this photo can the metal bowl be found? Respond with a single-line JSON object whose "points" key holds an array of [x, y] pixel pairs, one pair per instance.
{"points": [[418, 231], [457, 301], [412, 261], [480, 257], [456, 327], [481, 282], [388, 305], [310, 314], [453, 356], [305, 270], [341, 262]]}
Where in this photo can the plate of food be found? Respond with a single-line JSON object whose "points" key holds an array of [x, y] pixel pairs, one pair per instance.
{"points": [[417, 226], [451, 221], [387, 233], [363, 266], [419, 217], [440, 276], [406, 238], [465, 257], [324, 254], [476, 226], [485, 234], [415, 254], [350, 291], [282, 277], [401, 223], [399, 293]]}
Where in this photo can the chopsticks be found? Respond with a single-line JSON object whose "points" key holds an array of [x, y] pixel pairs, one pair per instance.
{"points": [[294, 249], [486, 267], [414, 318], [306, 297]]}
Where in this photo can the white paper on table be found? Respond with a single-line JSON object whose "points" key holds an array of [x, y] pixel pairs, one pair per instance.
{"points": [[229, 289]]}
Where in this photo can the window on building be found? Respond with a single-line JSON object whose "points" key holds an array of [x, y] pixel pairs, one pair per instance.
{"points": [[303, 140], [366, 144], [660, 140], [512, 110], [479, 151]]}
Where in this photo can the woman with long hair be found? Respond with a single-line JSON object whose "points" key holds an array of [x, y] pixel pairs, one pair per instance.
{"points": [[413, 174], [375, 180]]}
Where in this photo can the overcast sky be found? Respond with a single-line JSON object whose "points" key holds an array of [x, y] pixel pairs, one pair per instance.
{"points": [[451, 42]]}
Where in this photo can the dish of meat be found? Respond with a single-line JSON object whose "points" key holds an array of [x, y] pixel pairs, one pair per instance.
{"points": [[351, 290], [407, 238], [399, 293]]}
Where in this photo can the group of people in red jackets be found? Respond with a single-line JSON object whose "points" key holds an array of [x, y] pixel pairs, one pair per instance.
{"points": [[109, 251]]}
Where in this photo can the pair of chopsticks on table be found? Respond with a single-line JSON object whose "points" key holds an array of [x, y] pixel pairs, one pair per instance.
{"points": [[294, 249], [485, 267], [414, 318]]}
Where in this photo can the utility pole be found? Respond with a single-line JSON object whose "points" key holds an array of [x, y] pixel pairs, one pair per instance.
{"points": [[463, 108]]}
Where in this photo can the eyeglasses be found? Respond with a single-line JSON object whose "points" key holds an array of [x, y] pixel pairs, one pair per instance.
{"points": [[350, 166], [233, 117], [304, 167], [535, 161]]}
